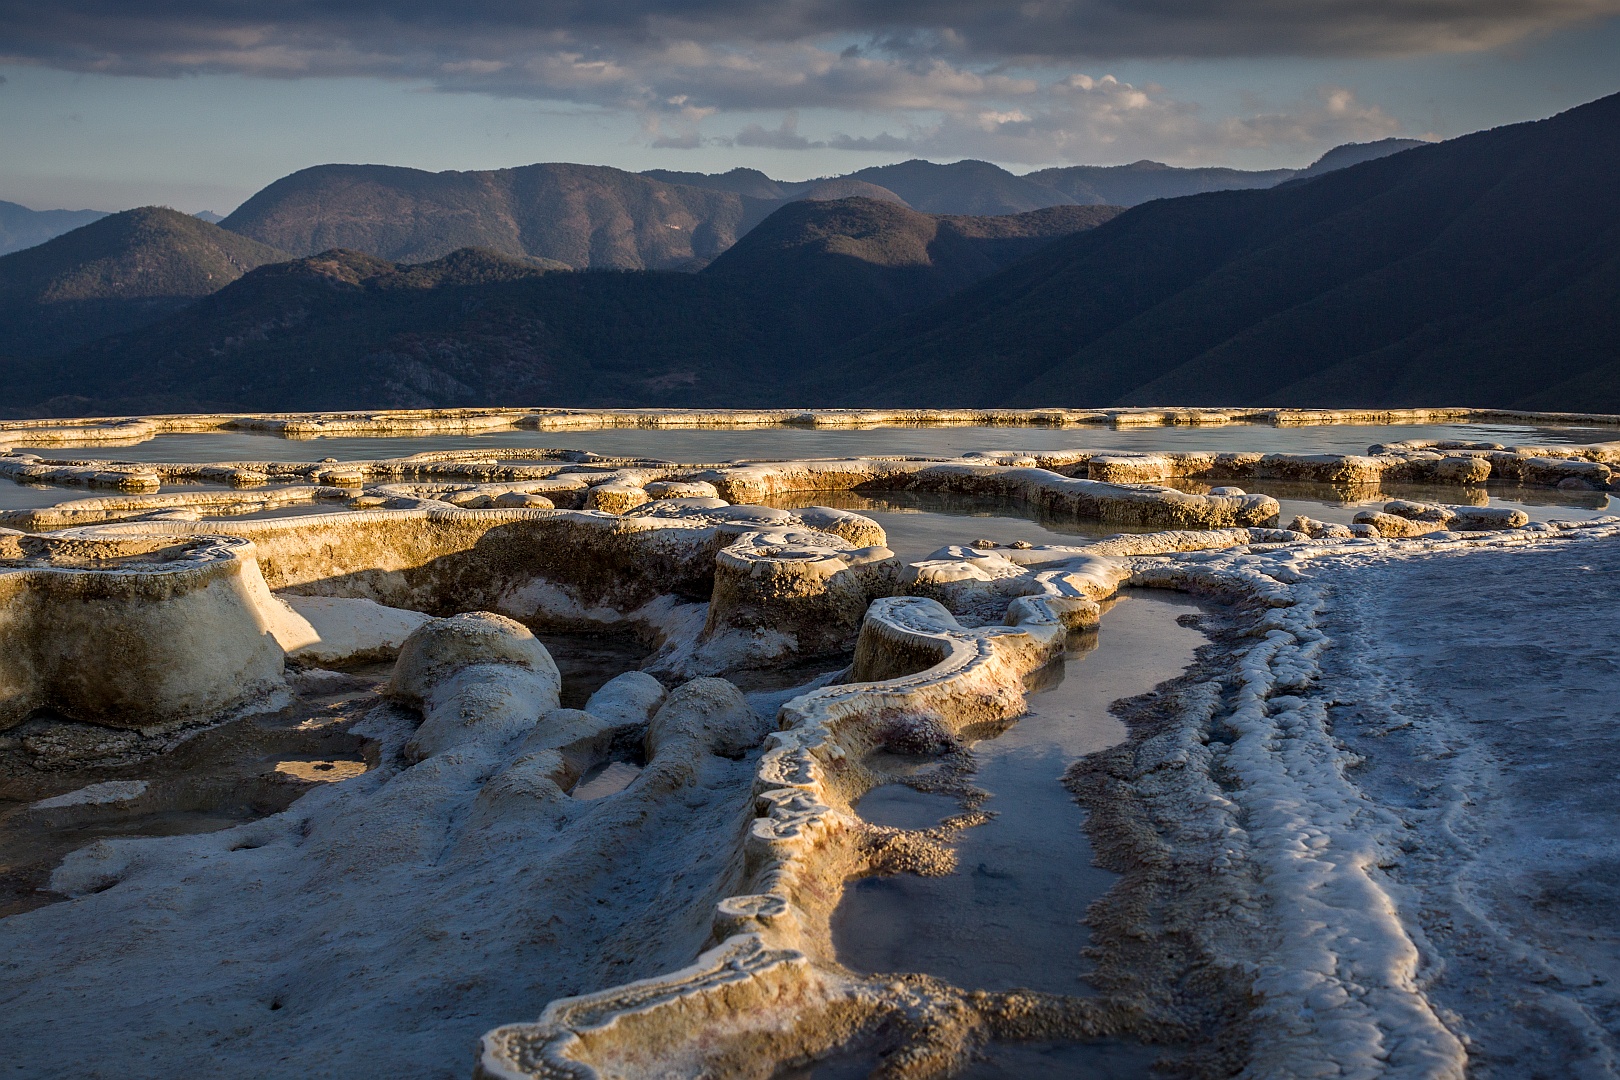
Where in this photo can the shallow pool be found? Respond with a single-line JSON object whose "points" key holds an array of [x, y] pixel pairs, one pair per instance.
{"points": [[1012, 914], [1336, 503], [783, 443], [919, 523]]}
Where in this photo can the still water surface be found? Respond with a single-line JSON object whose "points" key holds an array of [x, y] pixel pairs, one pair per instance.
{"points": [[1012, 914], [781, 443]]}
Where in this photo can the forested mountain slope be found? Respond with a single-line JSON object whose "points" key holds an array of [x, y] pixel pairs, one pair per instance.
{"points": [[117, 272], [347, 330], [1476, 271]]}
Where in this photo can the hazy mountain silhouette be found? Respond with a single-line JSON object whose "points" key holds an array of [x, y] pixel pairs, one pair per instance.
{"points": [[594, 217], [1342, 157], [888, 235], [1143, 181], [979, 188], [962, 187], [1481, 271], [839, 268], [739, 181], [21, 227]]}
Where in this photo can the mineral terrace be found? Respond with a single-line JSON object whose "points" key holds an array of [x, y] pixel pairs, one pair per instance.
{"points": [[293, 794]]}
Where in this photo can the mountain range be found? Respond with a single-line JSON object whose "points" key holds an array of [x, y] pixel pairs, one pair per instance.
{"points": [[1482, 271], [116, 273], [324, 331], [594, 217]]}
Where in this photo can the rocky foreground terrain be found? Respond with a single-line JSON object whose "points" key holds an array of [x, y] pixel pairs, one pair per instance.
{"points": [[1366, 831]]}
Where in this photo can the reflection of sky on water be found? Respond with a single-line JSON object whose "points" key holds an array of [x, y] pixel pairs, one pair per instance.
{"points": [[1012, 914], [782, 443]]}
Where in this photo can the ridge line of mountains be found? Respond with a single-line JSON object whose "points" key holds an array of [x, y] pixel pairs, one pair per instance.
{"points": [[598, 217], [1480, 271]]}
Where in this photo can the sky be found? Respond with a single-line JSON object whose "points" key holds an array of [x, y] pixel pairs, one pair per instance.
{"points": [[196, 104]]}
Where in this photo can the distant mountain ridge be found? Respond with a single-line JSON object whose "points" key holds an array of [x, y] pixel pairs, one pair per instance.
{"points": [[1144, 181], [892, 236], [861, 261], [981, 188], [962, 187], [1480, 271], [343, 328], [1342, 157], [753, 184], [595, 217], [585, 216]]}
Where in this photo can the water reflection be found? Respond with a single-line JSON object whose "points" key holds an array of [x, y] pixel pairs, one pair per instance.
{"points": [[919, 523], [1012, 914], [781, 443], [586, 661]]}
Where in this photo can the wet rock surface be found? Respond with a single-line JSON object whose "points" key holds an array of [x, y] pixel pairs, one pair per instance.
{"points": [[65, 784]]}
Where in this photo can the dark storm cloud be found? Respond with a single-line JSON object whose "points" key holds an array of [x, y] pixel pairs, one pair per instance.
{"points": [[410, 37], [675, 64]]}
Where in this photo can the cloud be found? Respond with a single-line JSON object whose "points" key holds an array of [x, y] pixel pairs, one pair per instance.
{"points": [[947, 74], [542, 45], [785, 137], [883, 143], [672, 124], [1086, 119], [1338, 118]]}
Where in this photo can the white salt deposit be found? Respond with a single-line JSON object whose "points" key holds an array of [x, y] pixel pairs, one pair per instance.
{"points": [[111, 791]]}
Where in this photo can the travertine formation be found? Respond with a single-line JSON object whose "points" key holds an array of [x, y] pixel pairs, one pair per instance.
{"points": [[126, 430], [772, 989], [137, 631], [1244, 845]]}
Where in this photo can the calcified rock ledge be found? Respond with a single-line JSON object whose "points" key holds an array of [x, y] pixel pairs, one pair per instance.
{"points": [[128, 429], [772, 991], [1115, 487], [174, 630], [1257, 919]]}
